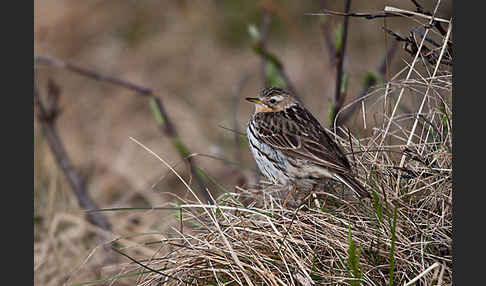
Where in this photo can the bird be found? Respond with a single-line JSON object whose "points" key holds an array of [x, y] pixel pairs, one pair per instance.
{"points": [[291, 147]]}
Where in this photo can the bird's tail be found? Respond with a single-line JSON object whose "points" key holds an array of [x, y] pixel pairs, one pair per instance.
{"points": [[354, 185]]}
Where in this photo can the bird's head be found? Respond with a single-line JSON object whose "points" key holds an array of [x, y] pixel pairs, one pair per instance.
{"points": [[272, 99]]}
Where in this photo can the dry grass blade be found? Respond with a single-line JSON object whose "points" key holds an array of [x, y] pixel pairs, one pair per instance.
{"points": [[433, 266], [248, 238], [242, 244], [406, 12], [168, 166]]}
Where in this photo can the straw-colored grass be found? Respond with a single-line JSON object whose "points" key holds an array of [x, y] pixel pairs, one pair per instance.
{"points": [[402, 235]]}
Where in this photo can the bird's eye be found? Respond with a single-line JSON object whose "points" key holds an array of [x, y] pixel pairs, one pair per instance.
{"points": [[272, 101]]}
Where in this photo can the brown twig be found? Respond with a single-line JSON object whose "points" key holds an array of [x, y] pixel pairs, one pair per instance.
{"points": [[375, 15], [369, 16], [437, 24], [167, 127], [163, 120], [389, 12], [410, 45], [412, 48], [52, 61], [46, 116]]}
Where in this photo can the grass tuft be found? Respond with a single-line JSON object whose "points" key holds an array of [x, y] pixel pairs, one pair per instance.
{"points": [[333, 238], [399, 236]]}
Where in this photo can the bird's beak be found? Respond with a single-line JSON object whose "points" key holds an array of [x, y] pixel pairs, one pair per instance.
{"points": [[254, 100]]}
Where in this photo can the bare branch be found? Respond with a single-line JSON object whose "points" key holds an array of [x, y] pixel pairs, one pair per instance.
{"points": [[52, 61], [388, 12], [46, 117], [411, 46], [369, 16], [161, 117]]}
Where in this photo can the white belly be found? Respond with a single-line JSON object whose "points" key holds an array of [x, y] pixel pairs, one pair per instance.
{"points": [[261, 153]]}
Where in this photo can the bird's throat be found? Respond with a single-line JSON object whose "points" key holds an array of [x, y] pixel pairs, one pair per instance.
{"points": [[262, 108]]}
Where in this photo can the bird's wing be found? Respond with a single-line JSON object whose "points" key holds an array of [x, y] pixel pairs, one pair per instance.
{"points": [[295, 132]]}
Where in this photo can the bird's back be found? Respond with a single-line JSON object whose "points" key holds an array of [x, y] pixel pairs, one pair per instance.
{"points": [[298, 134]]}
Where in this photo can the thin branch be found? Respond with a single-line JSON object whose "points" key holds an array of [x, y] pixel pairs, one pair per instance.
{"points": [[437, 24], [368, 16], [387, 12], [46, 117], [52, 61], [165, 125], [162, 118], [412, 48]]}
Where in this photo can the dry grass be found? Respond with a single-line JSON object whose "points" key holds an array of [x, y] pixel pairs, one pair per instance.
{"points": [[404, 233]]}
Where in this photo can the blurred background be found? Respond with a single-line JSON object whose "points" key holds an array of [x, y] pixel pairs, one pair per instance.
{"points": [[194, 55]]}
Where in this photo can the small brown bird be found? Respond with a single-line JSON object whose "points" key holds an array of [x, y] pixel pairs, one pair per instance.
{"points": [[291, 147]]}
